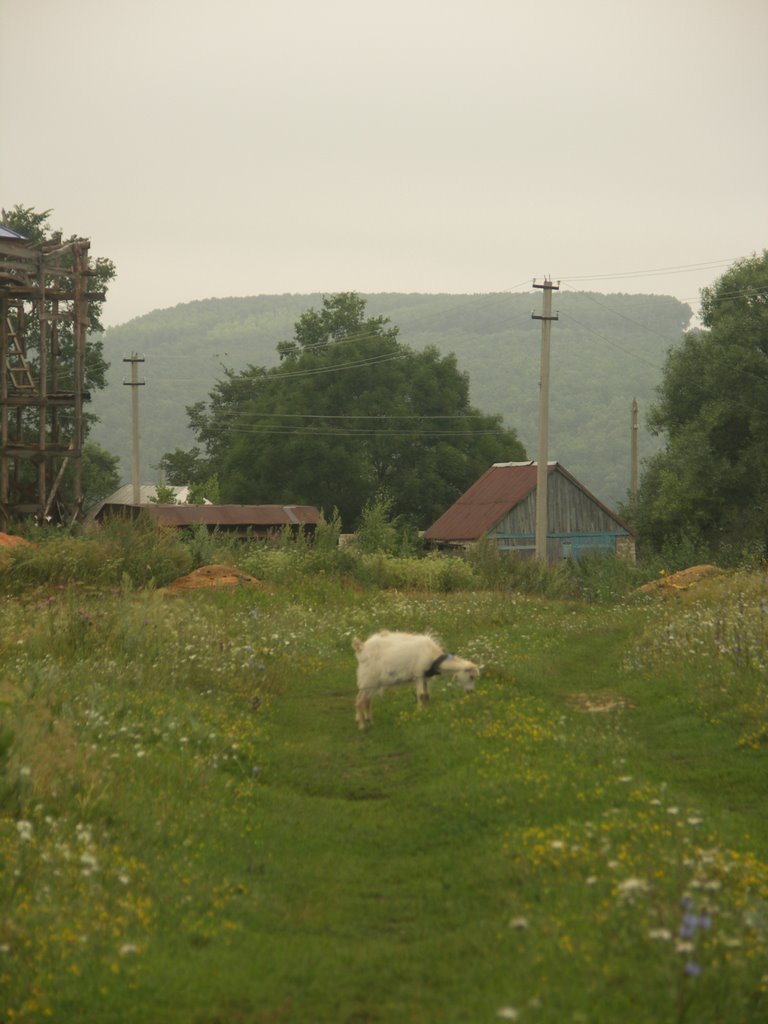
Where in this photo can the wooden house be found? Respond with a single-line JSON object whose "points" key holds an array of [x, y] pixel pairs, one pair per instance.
{"points": [[501, 505]]}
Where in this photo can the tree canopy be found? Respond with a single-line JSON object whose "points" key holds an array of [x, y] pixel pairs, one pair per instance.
{"points": [[709, 486], [348, 413]]}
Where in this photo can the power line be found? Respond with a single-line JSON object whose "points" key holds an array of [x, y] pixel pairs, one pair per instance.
{"points": [[678, 269], [608, 341]]}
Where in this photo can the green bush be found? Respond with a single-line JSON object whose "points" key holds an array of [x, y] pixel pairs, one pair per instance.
{"points": [[139, 553]]}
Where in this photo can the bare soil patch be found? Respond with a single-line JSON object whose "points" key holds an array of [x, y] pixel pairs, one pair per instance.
{"points": [[10, 540], [214, 576], [683, 580], [599, 704]]}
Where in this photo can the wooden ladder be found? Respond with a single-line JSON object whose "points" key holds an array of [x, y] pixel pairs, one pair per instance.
{"points": [[19, 374]]}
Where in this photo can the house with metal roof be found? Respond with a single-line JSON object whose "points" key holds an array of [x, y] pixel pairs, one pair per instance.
{"points": [[241, 520], [501, 505]]}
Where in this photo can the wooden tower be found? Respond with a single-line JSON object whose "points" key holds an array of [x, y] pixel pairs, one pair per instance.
{"points": [[43, 336]]}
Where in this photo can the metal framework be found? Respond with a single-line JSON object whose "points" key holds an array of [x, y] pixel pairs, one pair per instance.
{"points": [[44, 321]]}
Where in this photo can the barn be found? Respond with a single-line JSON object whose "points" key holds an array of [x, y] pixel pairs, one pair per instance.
{"points": [[501, 505]]}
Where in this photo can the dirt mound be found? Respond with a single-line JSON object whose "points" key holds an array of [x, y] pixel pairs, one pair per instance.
{"points": [[9, 540], [680, 580], [212, 576]]}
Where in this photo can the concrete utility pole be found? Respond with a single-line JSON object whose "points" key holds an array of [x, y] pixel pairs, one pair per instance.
{"points": [[633, 453], [135, 384], [546, 318]]}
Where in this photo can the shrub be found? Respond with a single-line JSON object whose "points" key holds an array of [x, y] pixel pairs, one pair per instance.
{"points": [[604, 577], [139, 552]]}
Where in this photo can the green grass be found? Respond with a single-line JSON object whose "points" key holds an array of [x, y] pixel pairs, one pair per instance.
{"points": [[193, 830]]}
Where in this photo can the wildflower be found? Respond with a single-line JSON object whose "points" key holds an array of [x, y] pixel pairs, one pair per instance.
{"points": [[89, 862], [25, 830], [128, 949], [663, 934], [630, 886], [507, 1013], [693, 970], [519, 923]]}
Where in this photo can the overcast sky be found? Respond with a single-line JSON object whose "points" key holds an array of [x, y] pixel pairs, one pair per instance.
{"points": [[245, 147]]}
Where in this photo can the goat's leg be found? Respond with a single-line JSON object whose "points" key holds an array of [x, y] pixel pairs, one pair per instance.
{"points": [[363, 708], [360, 709], [422, 691]]}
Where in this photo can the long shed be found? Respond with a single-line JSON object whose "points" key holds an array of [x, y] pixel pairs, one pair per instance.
{"points": [[501, 505], [241, 520]]}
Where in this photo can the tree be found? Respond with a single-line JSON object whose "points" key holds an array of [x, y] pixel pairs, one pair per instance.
{"points": [[708, 487], [100, 474], [350, 412]]}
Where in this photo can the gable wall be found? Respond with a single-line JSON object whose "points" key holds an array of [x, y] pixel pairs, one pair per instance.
{"points": [[569, 510]]}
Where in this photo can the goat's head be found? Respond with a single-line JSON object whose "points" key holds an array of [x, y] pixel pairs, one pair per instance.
{"points": [[463, 673]]}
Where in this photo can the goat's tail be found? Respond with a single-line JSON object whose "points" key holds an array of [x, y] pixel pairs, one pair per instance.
{"points": [[357, 645]]}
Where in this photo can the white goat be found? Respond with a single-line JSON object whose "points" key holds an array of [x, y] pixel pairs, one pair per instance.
{"points": [[391, 659]]}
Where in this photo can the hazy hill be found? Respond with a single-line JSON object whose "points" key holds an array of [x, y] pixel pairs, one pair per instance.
{"points": [[606, 349]]}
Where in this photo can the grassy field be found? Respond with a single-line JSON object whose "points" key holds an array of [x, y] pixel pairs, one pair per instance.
{"points": [[193, 830]]}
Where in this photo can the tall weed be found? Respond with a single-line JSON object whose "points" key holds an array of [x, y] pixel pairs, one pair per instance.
{"points": [[140, 553]]}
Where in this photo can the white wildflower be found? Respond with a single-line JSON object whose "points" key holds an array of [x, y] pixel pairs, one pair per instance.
{"points": [[630, 886], [25, 830], [507, 1013], [520, 923], [660, 933]]}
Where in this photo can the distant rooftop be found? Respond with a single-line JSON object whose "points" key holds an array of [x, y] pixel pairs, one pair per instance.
{"points": [[10, 234]]}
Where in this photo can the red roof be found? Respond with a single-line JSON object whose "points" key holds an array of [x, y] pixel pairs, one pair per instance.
{"points": [[488, 500], [270, 516]]}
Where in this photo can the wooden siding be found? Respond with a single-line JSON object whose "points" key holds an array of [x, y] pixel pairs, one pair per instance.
{"points": [[576, 524], [569, 510]]}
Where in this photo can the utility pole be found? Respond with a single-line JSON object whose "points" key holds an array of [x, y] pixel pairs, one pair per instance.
{"points": [[134, 383], [546, 318], [633, 453]]}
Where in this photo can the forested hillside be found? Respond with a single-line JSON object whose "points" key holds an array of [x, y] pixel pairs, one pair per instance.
{"points": [[606, 350]]}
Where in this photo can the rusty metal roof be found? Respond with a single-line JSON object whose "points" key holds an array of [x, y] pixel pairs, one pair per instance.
{"points": [[498, 490], [488, 500], [233, 515]]}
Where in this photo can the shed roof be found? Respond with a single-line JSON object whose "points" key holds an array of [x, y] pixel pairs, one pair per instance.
{"points": [[234, 515], [491, 497]]}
